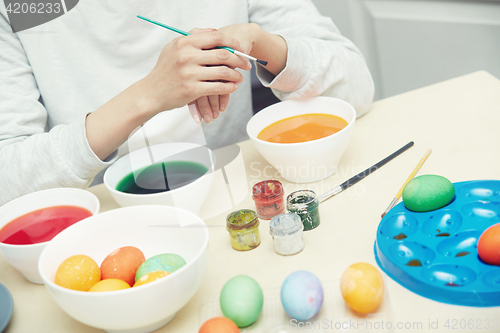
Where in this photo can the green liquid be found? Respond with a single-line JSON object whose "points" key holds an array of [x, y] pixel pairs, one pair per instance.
{"points": [[161, 177]]}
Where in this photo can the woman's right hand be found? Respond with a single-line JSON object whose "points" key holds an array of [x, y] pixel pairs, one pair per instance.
{"points": [[190, 67]]}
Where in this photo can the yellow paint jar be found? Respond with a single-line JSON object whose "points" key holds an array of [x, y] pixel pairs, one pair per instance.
{"points": [[243, 228]]}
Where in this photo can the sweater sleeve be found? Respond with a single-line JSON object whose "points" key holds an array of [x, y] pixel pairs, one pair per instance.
{"points": [[320, 61], [32, 159]]}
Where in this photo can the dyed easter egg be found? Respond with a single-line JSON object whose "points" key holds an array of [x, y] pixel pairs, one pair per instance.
{"points": [[219, 325], [488, 245], [122, 264], [78, 272], [150, 277], [302, 295], [168, 262], [109, 285], [428, 192], [362, 287], [241, 300]]}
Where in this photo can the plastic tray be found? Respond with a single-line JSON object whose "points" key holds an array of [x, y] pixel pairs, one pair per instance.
{"points": [[444, 243], [334, 316]]}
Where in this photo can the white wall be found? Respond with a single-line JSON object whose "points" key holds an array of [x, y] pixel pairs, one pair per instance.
{"points": [[411, 44]]}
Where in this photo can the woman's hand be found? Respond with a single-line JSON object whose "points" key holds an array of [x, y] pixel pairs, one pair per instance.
{"points": [[260, 44], [209, 107], [254, 42], [190, 67]]}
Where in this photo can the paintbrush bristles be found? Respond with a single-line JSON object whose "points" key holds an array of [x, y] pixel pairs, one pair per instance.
{"points": [[262, 62]]}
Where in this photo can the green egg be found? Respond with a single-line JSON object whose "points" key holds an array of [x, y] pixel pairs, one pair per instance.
{"points": [[168, 262], [241, 300], [428, 192]]}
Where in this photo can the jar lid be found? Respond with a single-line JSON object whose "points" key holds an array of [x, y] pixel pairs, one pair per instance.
{"points": [[267, 189], [285, 224], [241, 219]]}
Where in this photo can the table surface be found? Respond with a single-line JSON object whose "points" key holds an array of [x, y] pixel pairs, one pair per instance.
{"points": [[458, 119]]}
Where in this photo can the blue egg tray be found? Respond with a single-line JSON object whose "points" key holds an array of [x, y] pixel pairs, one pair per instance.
{"points": [[434, 254]]}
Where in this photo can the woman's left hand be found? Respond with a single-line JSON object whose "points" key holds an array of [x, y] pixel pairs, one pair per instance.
{"points": [[255, 42], [209, 107]]}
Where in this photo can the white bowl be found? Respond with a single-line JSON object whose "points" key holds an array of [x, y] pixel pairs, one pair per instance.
{"points": [[190, 196], [24, 258], [310, 161], [152, 229]]}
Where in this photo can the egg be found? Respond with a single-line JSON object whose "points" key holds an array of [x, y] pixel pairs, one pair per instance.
{"points": [[488, 245], [362, 287], [150, 277], [122, 264], [109, 285], [428, 192], [241, 300], [302, 295], [219, 325], [168, 262], [78, 272]]}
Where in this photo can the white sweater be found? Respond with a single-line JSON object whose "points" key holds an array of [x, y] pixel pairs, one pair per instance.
{"points": [[82, 59]]}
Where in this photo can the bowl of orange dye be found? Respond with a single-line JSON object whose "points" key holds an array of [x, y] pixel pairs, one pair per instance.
{"points": [[304, 140]]}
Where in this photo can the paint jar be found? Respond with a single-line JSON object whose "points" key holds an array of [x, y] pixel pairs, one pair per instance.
{"points": [[287, 231], [304, 203], [243, 227], [269, 199]]}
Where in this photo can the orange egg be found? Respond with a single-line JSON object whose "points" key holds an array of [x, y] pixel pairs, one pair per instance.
{"points": [[362, 287], [219, 325], [150, 277], [488, 245], [122, 264], [109, 285], [78, 272]]}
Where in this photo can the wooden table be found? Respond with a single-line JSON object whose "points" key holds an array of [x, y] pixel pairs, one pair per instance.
{"points": [[459, 119]]}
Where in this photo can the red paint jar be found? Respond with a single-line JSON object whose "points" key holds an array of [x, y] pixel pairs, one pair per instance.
{"points": [[269, 199]]}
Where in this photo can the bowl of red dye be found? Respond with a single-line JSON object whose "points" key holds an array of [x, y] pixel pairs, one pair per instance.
{"points": [[28, 223]]}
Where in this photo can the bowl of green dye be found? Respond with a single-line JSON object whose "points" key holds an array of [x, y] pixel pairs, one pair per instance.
{"points": [[171, 174]]}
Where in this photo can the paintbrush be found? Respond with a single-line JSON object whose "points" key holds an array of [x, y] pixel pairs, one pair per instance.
{"points": [[398, 195], [241, 54], [353, 180]]}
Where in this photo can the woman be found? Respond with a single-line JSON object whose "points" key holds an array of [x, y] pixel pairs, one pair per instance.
{"points": [[101, 73]]}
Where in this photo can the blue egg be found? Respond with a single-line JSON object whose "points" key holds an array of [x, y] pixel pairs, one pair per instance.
{"points": [[302, 295]]}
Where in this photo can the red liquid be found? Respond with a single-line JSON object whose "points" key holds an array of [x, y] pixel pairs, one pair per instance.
{"points": [[41, 225]]}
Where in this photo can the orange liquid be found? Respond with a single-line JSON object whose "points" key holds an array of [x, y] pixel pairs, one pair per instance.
{"points": [[306, 127]]}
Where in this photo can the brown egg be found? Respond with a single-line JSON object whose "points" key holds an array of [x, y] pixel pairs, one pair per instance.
{"points": [[122, 264]]}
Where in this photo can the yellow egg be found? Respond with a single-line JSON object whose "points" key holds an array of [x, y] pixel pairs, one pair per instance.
{"points": [[78, 272], [362, 287], [109, 285], [150, 277]]}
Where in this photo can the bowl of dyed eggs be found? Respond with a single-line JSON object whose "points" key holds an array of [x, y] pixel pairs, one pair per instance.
{"points": [[28, 223], [304, 140], [154, 230], [171, 174]]}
